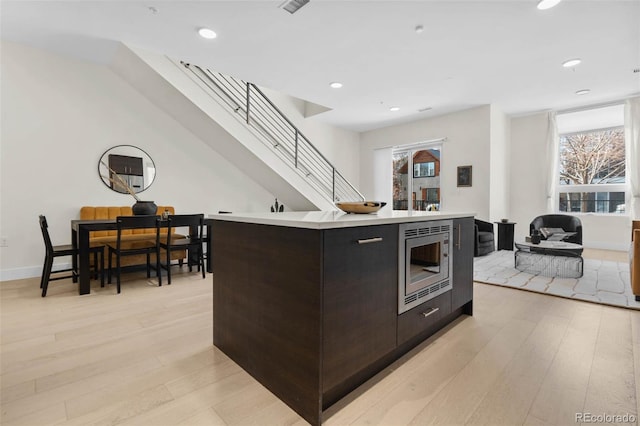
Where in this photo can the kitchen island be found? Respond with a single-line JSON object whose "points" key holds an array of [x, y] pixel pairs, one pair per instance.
{"points": [[308, 302]]}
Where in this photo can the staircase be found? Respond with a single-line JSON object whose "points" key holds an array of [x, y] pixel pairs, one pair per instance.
{"points": [[276, 130], [249, 129]]}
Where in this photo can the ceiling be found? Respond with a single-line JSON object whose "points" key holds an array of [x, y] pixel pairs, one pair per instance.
{"points": [[506, 53]]}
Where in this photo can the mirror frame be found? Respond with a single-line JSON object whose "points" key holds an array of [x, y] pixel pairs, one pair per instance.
{"points": [[104, 171]]}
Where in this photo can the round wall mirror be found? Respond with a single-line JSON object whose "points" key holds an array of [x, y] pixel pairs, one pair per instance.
{"points": [[126, 168]]}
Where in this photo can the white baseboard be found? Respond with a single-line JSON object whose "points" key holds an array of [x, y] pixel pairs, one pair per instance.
{"points": [[28, 272]]}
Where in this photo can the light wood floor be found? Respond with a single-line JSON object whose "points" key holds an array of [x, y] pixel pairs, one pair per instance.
{"points": [[613, 255], [145, 357]]}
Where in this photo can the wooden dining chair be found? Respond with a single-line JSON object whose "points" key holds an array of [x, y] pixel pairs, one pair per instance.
{"points": [[123, 247], [192, 244], [51, 252]]}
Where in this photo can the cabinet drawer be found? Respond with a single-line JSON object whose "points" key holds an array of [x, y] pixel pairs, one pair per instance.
{"points": [[422, 317]]}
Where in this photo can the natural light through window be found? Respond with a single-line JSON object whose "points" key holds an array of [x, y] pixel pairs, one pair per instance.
{"points": [[419, 190], [592, 161]]}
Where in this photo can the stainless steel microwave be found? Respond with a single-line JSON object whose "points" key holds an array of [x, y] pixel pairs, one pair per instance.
{"points": [[425, 265]]}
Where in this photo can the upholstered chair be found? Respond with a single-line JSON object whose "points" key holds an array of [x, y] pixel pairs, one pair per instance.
{"points": [[567, 222], [484, 238]]}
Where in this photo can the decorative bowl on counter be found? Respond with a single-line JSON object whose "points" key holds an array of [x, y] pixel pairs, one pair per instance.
{"points": [[361, 206]]}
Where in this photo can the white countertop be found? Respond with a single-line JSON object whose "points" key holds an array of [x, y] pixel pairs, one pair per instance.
{"points": [[336, 219]]}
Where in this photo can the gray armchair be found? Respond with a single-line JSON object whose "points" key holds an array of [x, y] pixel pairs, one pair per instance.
{"points": [[567, 222], [484, 238]]}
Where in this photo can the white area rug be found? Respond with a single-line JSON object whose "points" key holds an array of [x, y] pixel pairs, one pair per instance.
{"points": [[603, 281]]}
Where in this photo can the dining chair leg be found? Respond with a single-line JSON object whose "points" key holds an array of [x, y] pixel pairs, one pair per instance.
{"points": [[109, 271], [158, 268], [101, 255], [168, 265], [44, 270], [118, 274], [47, 275], [94, 275], [201, 258]]}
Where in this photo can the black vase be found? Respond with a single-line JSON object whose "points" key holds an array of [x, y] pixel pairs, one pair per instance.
{"points": [[535, 237], [144, 208]]}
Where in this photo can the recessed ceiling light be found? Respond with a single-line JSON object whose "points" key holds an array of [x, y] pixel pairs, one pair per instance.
{"points": [[547, 4], [419, 29], [394, 109], [583, 92], [336, 85], [207, 33], [571, 63]]}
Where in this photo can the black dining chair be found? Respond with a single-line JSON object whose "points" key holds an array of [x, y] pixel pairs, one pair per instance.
{"points": [[130, 247], [192, 244], [51, 252]]}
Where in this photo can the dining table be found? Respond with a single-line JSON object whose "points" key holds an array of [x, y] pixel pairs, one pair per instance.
{"points": [[80, 231]]}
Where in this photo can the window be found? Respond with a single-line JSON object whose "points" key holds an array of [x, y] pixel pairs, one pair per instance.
{"points": [[592, 161], [419, 190], [433, 195], [424, 169]]}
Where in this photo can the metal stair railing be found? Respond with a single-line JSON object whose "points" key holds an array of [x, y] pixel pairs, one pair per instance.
{"points": [[278, 132]]}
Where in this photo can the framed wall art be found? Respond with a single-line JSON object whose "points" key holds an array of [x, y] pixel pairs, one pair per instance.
{"points": [[464, 175]]}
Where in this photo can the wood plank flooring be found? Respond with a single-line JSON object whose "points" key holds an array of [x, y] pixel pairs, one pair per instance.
{"points": [[145, 357]]}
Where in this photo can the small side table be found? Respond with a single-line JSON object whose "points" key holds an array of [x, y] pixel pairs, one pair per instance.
{"points": [[505, 235]]}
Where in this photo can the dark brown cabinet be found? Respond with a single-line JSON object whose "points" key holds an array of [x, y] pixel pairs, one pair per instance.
{"points": [[462, 292], [359, 299], [313, 313], [423, 317], [267, 307]]}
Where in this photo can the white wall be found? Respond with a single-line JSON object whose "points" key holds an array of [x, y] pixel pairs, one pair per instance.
{"points": [[383, 176], [528, 197], [467, 142], [341, 147], [58, 116], [499, 160]]}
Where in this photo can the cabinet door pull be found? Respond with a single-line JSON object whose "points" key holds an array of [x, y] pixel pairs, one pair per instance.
{"points": [[430, 312], [459, 236], [370, 240]]}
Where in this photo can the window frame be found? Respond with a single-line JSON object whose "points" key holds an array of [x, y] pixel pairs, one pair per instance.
{"points": [[593, 187], [410, 149], [433, 168]]}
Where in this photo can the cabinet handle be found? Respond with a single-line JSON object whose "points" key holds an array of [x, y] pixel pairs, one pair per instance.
{"points": [[430, 312], [370, 240], [459, 236]]}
